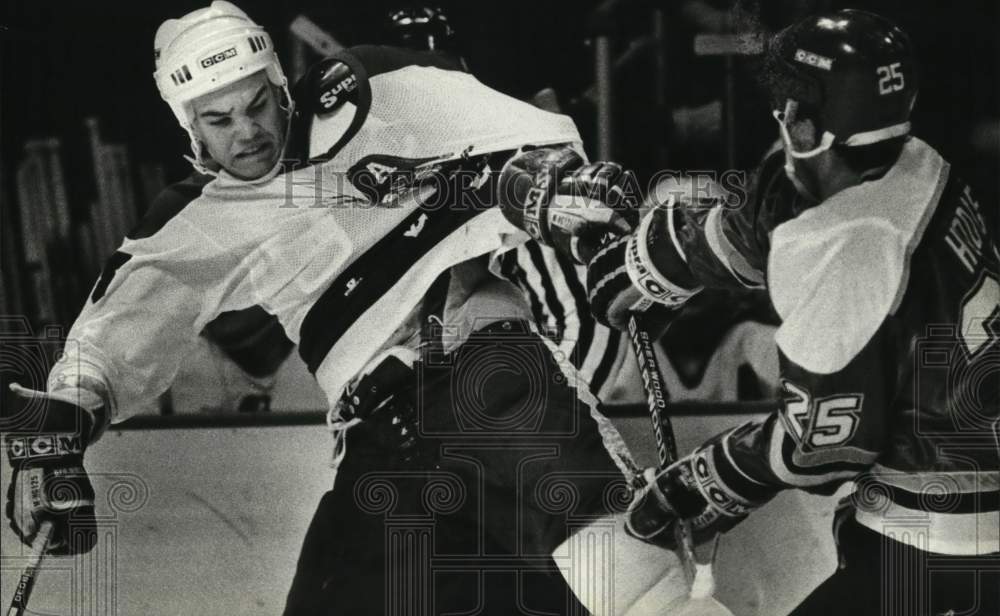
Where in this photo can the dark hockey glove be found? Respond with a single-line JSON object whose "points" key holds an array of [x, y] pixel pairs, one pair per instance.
{"points": [[637, 272], [386, 397], [703, 488], [561, 202], [49, 481]]}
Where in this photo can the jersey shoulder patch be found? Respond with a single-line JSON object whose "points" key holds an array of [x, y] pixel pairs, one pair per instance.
{"points": [[838, 270]]}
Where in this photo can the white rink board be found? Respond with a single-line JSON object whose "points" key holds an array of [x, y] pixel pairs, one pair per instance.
{"points": [[226, 509]]}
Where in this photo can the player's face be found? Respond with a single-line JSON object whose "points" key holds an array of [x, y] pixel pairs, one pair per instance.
{"points": [[242, 126]]}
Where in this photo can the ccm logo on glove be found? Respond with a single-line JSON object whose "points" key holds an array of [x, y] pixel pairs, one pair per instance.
{"points": [[44, 446]]}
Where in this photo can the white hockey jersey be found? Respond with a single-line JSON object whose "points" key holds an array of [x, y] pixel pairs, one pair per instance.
{"points": [[340, 251]]}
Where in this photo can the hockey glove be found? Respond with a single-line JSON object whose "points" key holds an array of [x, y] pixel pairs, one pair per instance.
{"points": [[385, 396], [703, 488], [49, 482], [635, 272], [561, 202]]}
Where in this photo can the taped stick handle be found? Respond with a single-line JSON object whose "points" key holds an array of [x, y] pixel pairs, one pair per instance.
{"points": [[19, 602]]}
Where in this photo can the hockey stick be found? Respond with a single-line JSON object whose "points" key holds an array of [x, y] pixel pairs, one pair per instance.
{"points": [[19, 602], [703, 583]]}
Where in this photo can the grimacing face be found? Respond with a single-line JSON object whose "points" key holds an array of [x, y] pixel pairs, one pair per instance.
{"points": [[242, 126]]}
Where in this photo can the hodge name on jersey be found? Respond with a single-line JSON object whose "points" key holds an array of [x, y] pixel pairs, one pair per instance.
{"points": [[887, 345]]}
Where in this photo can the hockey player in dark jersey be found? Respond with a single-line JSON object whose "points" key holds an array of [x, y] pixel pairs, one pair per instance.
{"points": [[882, 264], [487, 459]]}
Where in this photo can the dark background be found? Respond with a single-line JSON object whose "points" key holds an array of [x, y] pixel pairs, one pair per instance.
{"points": [[61, 62]]}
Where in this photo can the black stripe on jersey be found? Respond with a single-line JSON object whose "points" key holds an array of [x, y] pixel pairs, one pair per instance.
{"points": [[377, 270], [111, 267], [608, 357], [585, 335], [933, 502], [551, 297], [513, 271], [788, 449]]}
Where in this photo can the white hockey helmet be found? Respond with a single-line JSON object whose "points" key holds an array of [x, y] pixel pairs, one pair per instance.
{"points": [[208, 49]]}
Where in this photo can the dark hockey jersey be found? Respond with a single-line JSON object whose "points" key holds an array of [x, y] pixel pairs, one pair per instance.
{"points": [[888, 296], [340, 256]]}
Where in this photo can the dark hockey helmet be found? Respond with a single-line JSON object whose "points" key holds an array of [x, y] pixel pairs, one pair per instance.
{"points": [[425, 28], [852, 72]]}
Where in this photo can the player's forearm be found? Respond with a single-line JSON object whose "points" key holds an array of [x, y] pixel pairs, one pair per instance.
{"points": [[82, 376], [767, 454], [721, 483], [741, 460], [756, 459], [747, 454]]}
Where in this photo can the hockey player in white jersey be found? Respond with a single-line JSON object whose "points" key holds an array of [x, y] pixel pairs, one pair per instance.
{"points": [[376, 255]]}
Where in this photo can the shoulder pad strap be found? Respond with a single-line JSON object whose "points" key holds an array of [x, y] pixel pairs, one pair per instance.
{"points": [[326, 87]]}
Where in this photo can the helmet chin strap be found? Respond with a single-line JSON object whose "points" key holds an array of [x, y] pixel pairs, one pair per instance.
{"points": [[791, 154], [798, 183], [290, 113], [825, 143], [196, 150]]}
